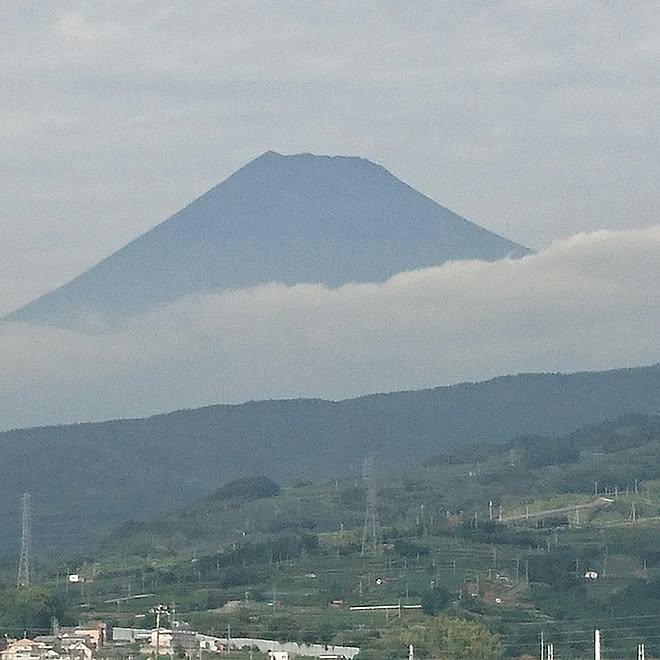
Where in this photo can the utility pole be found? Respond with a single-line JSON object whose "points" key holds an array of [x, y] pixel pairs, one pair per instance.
{"points": [[158, 634], [23, 578], [158, 611], [527, 571]]}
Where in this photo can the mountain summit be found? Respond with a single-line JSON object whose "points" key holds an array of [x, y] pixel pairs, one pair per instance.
{"points": [[287, 219]]}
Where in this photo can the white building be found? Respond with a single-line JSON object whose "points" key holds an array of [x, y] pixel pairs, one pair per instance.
{"points": [[163, 639], [130, 635], [278, 655], [77, 650]]}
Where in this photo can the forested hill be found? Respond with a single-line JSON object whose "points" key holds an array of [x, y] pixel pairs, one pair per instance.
{"points": [[86, 477]]}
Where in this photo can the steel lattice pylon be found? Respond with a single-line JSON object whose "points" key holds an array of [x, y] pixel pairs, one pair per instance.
{"points": [[23, 579], [370, 535]]}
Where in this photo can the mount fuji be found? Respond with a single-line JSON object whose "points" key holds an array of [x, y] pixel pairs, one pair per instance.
{"points": [[286, 219]]}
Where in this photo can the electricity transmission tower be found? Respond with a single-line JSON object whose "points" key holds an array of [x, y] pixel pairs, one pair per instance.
{"points": [[23, 579], [370, 532]]}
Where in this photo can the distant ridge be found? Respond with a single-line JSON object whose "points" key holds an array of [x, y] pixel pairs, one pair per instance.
{"points": [[287, 219], [84, 477]]}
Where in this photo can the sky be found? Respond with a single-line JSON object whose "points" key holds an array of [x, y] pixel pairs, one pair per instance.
{"points": [[535, 119]]}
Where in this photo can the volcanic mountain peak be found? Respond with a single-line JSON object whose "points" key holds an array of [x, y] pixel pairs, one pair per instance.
{"points": [[288, 219]]}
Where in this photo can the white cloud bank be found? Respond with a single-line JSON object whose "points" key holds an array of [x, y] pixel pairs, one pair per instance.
{"points": [[587, 302]]}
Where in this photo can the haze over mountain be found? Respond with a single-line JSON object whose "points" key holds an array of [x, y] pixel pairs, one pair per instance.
{"points": [[286, 219], [89, 476]]}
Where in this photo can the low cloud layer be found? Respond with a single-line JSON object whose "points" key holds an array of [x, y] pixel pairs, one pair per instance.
{"points": [[587, 302]]}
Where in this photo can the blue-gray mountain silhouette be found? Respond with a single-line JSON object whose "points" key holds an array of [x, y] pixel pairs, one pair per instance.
{"points": [[287, 219]]}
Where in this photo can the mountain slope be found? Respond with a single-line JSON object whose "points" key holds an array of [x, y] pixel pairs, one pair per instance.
{"points": [[541, 484], [89, 476], [286, 219]]}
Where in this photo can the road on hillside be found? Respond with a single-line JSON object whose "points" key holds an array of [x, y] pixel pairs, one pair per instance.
{"points": [[601, 501]]}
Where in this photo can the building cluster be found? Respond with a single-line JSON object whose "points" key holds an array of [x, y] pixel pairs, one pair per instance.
{"points": [[168, 641], [85, 642], [180, 639], [80, 643]]}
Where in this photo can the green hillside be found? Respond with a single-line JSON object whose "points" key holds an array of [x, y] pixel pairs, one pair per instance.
{"points": [[492, 540], [86, 478]]}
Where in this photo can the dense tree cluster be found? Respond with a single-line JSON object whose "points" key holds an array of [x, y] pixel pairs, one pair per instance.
{"points": [[247, 488], [30, 609]]}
